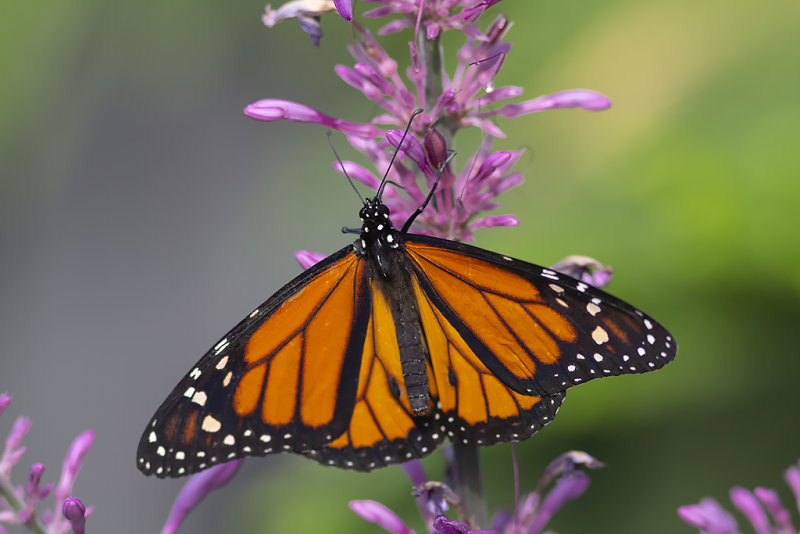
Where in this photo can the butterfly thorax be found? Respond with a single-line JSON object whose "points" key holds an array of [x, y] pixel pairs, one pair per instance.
{"points": [[390, 273]]}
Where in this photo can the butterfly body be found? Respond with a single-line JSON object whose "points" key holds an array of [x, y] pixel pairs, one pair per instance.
{"points": [[382, 248]]}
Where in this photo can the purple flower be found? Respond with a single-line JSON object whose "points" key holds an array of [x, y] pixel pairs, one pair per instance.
{"points": [[33, 493], [709, 517], [435, 16], [465, 97], [375, 512], [72, 463], [273, 109], [761, 507], [75, 512], [5, 400], [306, 258], [308, 13], [14, 450], [434, 500], [19, 505], [585, 269], [345, 8], [196, 489]]}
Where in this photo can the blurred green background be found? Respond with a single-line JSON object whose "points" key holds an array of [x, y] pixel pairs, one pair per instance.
{"points": [[141, 215]]}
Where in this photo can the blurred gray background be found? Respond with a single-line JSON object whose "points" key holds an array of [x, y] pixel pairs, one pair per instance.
{"points": [[142, 215]]}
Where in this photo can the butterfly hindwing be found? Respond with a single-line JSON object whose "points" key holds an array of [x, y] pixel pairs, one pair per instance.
{"points": [[475, 406], [537, 331], [284, 379]]}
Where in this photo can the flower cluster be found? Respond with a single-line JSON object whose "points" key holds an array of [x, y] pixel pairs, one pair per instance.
{"points": [[532, 513], [20, 504], [762, 507], [466, 97]]}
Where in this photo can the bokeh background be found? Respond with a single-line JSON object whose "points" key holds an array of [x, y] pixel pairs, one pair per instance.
{"points": [[142, 215]]}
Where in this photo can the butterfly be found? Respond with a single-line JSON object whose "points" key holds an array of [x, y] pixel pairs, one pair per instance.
{"points": [[381, 351]]}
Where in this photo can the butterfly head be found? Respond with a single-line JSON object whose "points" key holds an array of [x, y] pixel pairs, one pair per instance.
{"points": [[377, 237], [376, 227]]}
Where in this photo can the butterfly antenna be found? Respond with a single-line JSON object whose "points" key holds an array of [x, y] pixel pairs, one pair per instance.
{"points": [[330, 140], [420, 209], [405, 133]]}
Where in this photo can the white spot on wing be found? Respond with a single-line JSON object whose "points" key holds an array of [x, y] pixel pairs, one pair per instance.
{"points": [[200, 398], [593, 309], [222, 345], [222, 362], [210, 424], [547, 273], [599, 335]]}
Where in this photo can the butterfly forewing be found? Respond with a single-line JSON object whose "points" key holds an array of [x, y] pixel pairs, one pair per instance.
{"points": [[537, 331], [284, 379]]}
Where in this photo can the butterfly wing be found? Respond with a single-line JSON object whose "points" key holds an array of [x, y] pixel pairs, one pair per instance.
{"points": [[284, 379], [502, 333], [473, 405], [383, 429]]}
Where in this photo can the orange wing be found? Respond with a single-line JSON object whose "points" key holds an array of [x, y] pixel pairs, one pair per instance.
{"points": [[285, 379], [531, 330], [383, 429], [476, 407]]}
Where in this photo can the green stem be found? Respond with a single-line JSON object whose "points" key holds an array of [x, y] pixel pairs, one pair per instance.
{"points": [[430, 55], [7, 492], [469, 485]]}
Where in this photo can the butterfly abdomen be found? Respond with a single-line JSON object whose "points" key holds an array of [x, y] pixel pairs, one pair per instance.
{"points": [[395, 285]]}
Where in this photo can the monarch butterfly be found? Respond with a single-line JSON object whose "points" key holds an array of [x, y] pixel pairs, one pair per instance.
{"points": [[378, 352]]}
